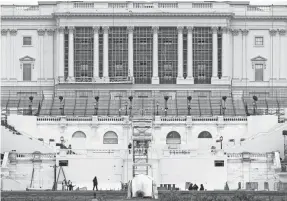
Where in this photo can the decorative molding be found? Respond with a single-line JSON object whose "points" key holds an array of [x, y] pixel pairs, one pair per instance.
{"points": [[96, 29], [61, 29], [4, 32], [130, 29], [258, 60], [225, 30], [244, 32], [155, 29], [282, 32], [41, 32], [273, 32], [235, 32], [13, 32], [27, 60], [50, 32], [106, 29], [190, 29], [214, 30], [71, 29], [180, 29]]}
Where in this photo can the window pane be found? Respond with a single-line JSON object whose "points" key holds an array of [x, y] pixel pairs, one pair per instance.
{"points": [[27, 41], [26, 72]]}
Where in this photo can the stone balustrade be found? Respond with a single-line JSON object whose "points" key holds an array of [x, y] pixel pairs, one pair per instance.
{"points": [[30, 156]]}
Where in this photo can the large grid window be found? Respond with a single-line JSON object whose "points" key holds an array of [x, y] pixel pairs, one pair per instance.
{"points": [[66, 53], [143, 48], [167, 55], [83, 54], [202, 55], [118, 53], [101, 52], [219, 51]]}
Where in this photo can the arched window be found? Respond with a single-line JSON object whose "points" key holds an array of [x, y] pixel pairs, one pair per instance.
{"points": [[173, 137], [110, 137], [79, 134], [204, 134]]}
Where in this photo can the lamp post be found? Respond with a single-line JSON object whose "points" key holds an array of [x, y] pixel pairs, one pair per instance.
{"points": [[284, 133], [157, 104], [126, 105], [62, 141], [166, 108], [61, 105], [30, 104], [223, 107], [189, 104], [96, 105], [131, 103], [221, 139]]}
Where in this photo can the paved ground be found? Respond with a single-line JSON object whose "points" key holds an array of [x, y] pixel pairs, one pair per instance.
{"points": [[121, 195]]}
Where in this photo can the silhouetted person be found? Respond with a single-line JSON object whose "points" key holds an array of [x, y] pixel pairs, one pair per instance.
{"points": [[71, 186], [190, 187], [95, 182], [201, 187], [195, 187]]}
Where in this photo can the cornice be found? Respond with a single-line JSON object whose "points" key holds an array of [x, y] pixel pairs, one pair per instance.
{"points": [[27, 17]]}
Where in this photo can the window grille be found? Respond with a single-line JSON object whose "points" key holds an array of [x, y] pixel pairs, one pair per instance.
{"points": [[79, 134], [27, 72], [173, 137], [202, 55], [218, 163], [167, 55], [83, 54], [118, 53], [259, 41], [27, 40], [110, 137], [143, 48], [219, 51]]}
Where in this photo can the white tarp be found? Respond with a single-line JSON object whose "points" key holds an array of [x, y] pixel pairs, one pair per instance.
{"points": [[142, 183]]}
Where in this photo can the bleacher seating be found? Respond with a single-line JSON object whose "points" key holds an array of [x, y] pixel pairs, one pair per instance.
{"points": [[201, 105]]}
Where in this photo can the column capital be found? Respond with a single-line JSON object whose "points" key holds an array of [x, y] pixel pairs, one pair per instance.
{"points": [[235, 32], [4, 32], [96, 29], [41, 32], [61, 29], [71, 29], [155, 29], [273, 32], [106, 29], [244, 32], [225, 30], [282, 32], [13, 32], [190, 28], [214, 30], [50, 32], [180, 28], [130, 29]]}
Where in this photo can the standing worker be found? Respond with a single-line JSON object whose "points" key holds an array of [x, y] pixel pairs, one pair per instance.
{"points": [[95, 182]]}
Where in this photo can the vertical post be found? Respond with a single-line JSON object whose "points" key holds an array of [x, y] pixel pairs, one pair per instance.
{"points": [[155, 79], [179, 54], [214, 53], [41, 33], [244, 62], [106, 54], [131, 52], [61, 63], [283, 49], [225, 53], [4, 54], [96, 53], [71, 54], [189, 55]]}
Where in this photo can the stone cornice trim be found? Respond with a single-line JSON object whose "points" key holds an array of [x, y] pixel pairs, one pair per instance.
{"points": [[206, 14], [25, 17], [260, 17]]}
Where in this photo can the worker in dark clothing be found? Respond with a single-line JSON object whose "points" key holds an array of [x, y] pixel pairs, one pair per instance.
{"points": [[190, 187], [201, 187], [195, 187], [95, 182]]}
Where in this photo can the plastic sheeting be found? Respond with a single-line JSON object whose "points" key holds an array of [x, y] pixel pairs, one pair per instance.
{"points": [[142, 183]]}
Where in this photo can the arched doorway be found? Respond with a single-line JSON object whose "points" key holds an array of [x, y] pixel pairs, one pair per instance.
{"points": [[78, 140]]}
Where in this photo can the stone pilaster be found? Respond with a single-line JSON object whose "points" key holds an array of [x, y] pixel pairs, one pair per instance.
{"points": [[106, 54], [273, 54], [155, 78], [214, 54], [189, 55], [61, 53], [179, 54], [131, 51], [96, 53], [237, 53], [12, 66], [71, 54], [4, 54], [244, 52], [225, 54], [283, 59], [40, 60]]}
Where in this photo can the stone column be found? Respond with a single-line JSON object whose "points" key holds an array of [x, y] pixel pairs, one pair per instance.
{"points": [[71, 54], [237, 55], [96, 53], [214, 54], [106, 54], [50, 40], [12, 66], [4, 54], [179, 54], [273, 54], [131, 52], [40, 63], [189, 56], [155, 79], [61, 60], [225, 53], [283, 58], [244, 61]]}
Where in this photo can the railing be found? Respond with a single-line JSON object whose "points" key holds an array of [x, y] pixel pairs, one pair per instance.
{"points": [[173, 118], [83, 5], [110, 118], [117, 5], [30, 156], [234, 118], [79, 80], [204, 118], [90, 152], [27, 8], [143, 5], [259, 8], [168, 5], [202, 5], [79, 118]]}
